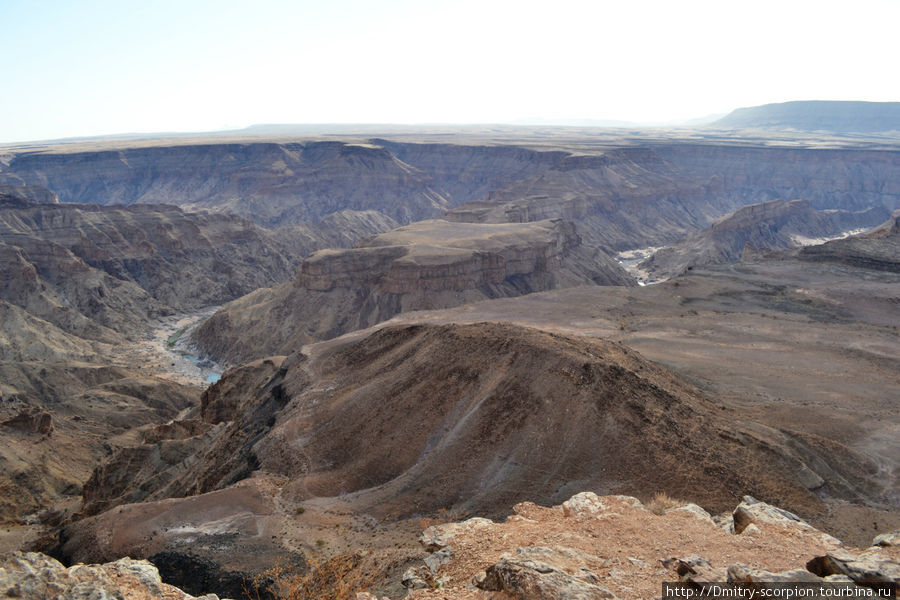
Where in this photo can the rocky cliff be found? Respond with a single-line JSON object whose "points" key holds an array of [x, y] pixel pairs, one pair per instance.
{"points": [[768, 225], [92, 409], [624, 193], [80, 285], [588, 547], [878, 249], [640, 196], [272, 184], [618, 547], [93, 270], [430, 264]]}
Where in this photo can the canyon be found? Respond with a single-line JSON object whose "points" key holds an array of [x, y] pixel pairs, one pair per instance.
{"points": [[426, 325], [758, 227], [430, 264]]}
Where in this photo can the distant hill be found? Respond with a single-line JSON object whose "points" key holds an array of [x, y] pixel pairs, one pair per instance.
{"points": [[817, 115]]}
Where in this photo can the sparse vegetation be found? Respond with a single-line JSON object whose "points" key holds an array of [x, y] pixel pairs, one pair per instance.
{"points": [[661, 502], [334, 578], [173, 339]]}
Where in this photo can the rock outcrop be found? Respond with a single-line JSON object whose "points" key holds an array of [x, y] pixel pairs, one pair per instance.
{"points": [[769, 225], [877, 250], [181, 260], [657, 193], [34, 575], [620, 549], [431, 264]]}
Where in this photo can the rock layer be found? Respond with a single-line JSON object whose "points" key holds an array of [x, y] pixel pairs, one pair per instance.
{"points": [[431, 264], [768, 225]]}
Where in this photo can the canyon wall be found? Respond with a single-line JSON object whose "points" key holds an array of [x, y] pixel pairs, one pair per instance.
{"points": [[430, 264], [624, 195], [755, 227]]}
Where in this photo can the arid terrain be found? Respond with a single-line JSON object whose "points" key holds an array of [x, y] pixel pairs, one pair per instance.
{"points": [[227, 353]]}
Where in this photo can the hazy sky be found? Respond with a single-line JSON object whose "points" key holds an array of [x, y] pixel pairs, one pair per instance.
{"points": [[72, 68]]}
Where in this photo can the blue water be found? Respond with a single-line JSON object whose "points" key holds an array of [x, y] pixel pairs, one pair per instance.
{"points": [[213, 377]]}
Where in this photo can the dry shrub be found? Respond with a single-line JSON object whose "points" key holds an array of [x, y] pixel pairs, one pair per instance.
{"points": [[661, 502], [443, 515], [334, 578]]}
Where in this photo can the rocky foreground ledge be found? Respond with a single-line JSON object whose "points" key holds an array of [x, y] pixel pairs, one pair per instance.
{"points": [[589, 548], [605, 547], [33, 576]]}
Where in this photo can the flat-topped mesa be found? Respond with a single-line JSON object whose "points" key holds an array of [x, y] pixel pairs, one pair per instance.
{"points": [[426, 265], [434, 256]]}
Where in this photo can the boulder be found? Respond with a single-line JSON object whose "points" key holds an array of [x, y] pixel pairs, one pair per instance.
{"points": [[887, 539], [741, 573], [588, 503], [694, 568], [583, 503], [870, 568], [534, 580], [751, 510], [695, 510], [437, 537]]}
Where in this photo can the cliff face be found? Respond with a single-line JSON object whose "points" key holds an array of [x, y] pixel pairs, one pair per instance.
{"points": [[878, 250], [768, 225], [847, 179], [72, 264], [623, 196], [272, 184], [620, 198], [92, 410], [646, 196], [430, 264]]}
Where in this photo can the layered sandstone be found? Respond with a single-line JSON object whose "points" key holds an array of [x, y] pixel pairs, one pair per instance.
{"points": [[877, 250], [431, 264], [644, 195], [626, 193], [768, 225], [270, 183]]}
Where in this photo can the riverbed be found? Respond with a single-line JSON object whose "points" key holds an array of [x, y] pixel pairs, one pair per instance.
{"points": [[167, 352]]}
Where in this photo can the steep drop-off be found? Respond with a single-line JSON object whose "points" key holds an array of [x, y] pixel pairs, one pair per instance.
{"points": [[768, 225], [430, 264], [272, 184], [73, 264], [624, 193], [59, 419], [878, 249], [647, 195]]}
